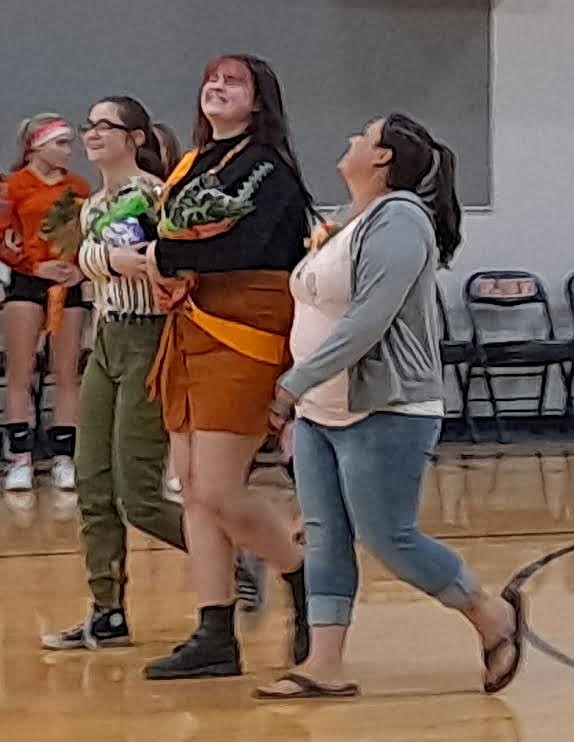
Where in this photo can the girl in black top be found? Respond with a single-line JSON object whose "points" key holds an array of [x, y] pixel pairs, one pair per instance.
{"points": [[225, 344]]}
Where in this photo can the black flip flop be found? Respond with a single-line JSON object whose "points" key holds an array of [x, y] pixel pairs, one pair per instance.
{"points": [[307, 688], [513, 596]]}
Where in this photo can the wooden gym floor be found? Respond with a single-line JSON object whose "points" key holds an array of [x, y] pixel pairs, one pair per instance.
{"points": [[418, 664]]}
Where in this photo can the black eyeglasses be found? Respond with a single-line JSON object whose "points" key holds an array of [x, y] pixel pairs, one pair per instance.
{"points": [[101, 127]]}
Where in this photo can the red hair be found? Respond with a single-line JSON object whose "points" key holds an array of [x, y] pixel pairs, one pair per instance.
{"points": [[268, 125]]}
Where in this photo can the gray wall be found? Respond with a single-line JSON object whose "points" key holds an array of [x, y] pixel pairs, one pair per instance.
{"points": [[340, 61]]}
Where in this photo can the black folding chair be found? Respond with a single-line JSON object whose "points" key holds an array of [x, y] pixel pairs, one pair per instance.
{"points": [[506, 295], [569, 286], [460, 355]]}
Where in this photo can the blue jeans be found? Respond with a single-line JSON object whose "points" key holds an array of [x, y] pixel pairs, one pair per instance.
{"points": [[364, 481]]}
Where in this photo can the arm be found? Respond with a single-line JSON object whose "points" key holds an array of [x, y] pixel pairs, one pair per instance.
{"points": [[93, 256], [11, 252], [246, 244], [394, 251], [96, 259]]}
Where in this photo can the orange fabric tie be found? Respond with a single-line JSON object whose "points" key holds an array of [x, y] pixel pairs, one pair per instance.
{"points": [[249, 341], [260, 345]]}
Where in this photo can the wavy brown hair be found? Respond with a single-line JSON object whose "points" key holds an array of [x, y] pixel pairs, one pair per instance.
{"points": [[269, 125]]}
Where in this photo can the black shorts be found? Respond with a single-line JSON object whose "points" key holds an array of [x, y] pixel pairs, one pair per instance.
{"points": [[35, 290]]}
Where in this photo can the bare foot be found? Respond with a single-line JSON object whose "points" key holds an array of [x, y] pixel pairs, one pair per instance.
{"points": [[496, 619], [501, 650]]}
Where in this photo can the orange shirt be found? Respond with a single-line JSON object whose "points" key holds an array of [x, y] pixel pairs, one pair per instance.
{"points": [[29, 200]]}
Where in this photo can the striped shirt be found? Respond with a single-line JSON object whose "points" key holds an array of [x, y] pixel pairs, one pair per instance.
{"points": [[112, 294]]}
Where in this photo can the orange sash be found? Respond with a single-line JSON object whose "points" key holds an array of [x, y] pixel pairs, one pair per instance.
{"points": [[249, 341], [266, 347], [180, 171], [259, 345]]}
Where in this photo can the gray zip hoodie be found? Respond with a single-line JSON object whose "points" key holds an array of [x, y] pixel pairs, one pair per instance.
{"points": [[388, 340]]}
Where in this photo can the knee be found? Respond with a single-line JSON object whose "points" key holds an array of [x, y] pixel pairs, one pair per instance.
{"points": [[224, 504], [329, 545], [330, 553], [396, 548]]}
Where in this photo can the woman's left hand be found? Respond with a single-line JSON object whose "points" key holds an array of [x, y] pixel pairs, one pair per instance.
{"points": [[281, 410], [153, 271]]}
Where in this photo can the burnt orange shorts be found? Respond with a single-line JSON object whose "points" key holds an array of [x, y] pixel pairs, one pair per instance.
{"points": [[216, 388]]}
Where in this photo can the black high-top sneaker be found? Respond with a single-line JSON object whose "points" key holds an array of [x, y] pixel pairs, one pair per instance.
{"points": [[102, 628], [300, 646], [212, 651]]}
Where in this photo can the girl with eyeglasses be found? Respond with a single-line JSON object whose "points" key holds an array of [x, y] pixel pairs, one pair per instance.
{"points": [[122, 444]]}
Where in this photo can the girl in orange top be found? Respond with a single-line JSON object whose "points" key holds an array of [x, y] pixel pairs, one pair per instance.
{"points": [[39, 179]]}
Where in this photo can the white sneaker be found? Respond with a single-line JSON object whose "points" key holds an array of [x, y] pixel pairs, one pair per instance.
{"points": [[173, 489], [174, 485], [19, 477], [64, 474]]}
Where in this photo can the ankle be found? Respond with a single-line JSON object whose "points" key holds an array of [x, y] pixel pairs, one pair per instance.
{"points": [[488, 615], [107, 609], [294, 574], [63, 440], [21, 441], [218, 620]]}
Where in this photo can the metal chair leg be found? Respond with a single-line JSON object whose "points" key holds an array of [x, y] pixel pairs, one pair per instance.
{"points": [[501, 436], [464, 387]]}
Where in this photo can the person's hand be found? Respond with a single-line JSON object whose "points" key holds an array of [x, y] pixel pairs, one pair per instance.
{"points": [[76, 277], [128, 262], [167, 292], [58, 271], [12, 240], [281, 410], [320, 234]]}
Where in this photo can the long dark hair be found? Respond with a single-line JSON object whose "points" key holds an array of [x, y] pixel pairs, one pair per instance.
{"points": [[426, 167], [135, 117], [269, 125]]}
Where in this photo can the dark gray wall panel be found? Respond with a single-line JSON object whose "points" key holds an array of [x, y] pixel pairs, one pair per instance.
{"points": [[340, 61]]}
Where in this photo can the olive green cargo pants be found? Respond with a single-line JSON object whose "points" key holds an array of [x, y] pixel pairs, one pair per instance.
{"points": [[121, 454]]}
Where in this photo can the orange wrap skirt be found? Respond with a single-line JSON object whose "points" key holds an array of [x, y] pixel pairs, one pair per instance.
{"points": [[202, 382]]}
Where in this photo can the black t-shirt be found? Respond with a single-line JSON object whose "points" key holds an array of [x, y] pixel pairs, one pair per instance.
{"points": [[269, 238]]}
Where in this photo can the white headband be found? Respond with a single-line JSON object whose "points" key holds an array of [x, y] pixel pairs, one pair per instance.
{"points": [[50, 131]]}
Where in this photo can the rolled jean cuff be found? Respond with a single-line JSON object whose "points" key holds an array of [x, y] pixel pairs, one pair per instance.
{"points": [[329, 610], [461, 591]]}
